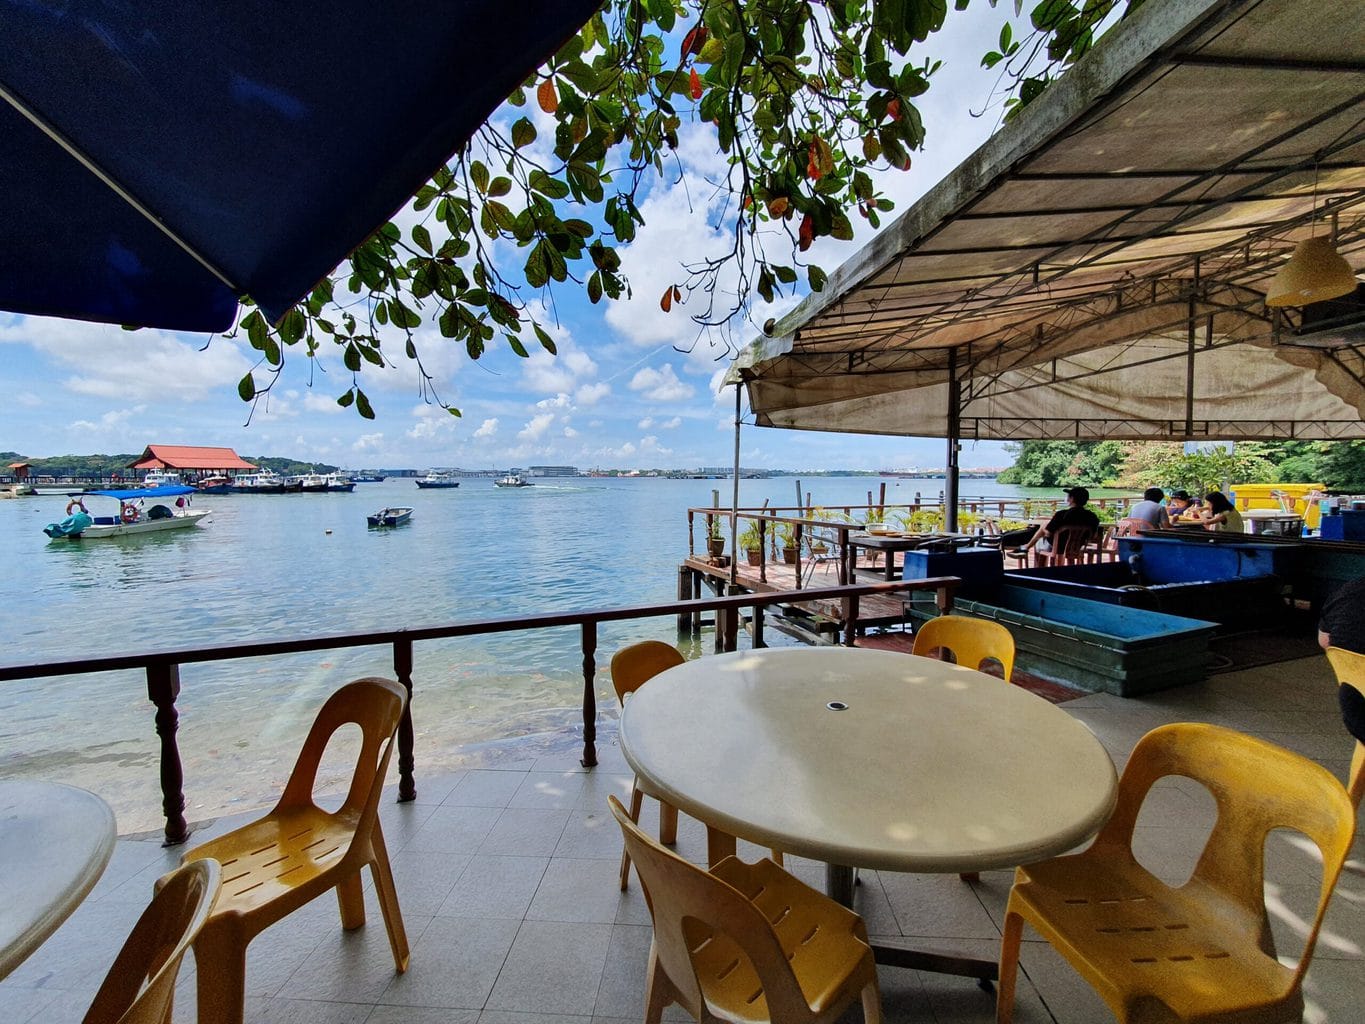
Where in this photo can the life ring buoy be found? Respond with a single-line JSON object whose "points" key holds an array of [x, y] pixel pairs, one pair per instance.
{"points": [[75, 503], [129, 514]]}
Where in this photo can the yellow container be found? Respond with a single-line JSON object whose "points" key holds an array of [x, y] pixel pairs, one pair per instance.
{"points": [[1296, 499]]}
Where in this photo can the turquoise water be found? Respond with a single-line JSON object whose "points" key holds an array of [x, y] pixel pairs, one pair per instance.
{"points": [[278, 567]]}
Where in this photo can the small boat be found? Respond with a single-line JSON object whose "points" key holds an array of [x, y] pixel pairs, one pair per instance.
{"points": [[264, 482], [434, 478], [161, 478], [323, 483], [216, 484], [390, 516], [133, 516], [366, 478], [512, 480]]}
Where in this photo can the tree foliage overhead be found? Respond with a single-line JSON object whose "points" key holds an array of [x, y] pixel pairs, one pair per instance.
{"points": [[806, 101]]}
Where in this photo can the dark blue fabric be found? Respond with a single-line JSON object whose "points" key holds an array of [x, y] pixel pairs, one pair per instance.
{"points": [[273, 137]]}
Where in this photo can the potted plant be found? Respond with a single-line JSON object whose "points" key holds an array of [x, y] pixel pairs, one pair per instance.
{"points": [[751, 542], [715, 539], [786, 539]]}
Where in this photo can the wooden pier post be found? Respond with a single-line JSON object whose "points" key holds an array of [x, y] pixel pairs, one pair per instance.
{"points": [[695, 624], [589, 758], [684, 621], [402, 667], [163, 687]]}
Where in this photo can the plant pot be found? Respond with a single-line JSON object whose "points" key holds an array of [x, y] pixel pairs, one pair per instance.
{"points": [[789, 555], [755, 556], [715, 548]]}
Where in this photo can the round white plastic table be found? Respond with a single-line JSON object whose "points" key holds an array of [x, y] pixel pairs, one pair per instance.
{"points": [[866, 758], [55, 841]]}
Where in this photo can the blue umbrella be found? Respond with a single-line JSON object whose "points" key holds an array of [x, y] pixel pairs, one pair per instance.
{"points": [[161, 158]]}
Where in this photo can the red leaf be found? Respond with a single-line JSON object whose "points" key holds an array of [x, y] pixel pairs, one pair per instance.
{"points": [[666, 303], [807, 233], [547, 97], [694, 40], [893, 109], [696, 84]]}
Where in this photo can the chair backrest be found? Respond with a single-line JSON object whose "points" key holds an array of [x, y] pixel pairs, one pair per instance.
{"points": [[692, 907], [1068, 544], [141, 982], [633, 666], [971, 641], [1350, 669], [1258, 787], [376, 706], [1129, 526]]}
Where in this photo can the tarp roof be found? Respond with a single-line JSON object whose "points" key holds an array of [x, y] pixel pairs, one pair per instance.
{"points": [[1097, 269], [162, 158], [181, 456]]}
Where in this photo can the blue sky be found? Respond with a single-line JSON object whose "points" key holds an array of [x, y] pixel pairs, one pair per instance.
{"points": [[631, 386]]}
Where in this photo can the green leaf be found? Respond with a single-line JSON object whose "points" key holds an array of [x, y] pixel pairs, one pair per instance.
{"points": [[516, 345], [345, 400], [523, 132], [422, 237], [246, 388], [816, 278], [500, 186], [479, 174], [595, 287], [351, 357], [546, 185], [546, 342], [362, 405]]}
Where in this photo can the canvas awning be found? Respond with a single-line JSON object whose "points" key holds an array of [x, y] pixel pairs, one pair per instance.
{"points": [[1098, 268]]}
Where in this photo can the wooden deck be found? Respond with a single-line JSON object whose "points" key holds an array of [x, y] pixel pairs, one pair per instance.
{"points": [[821, 616]]}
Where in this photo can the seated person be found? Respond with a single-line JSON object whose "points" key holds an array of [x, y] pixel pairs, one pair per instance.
{"points": [[1075, 514], [1150, 510], [1219, 514], [1178, 504]]}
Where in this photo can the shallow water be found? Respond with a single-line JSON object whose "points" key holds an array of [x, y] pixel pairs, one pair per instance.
{"points": [[279, 567]]}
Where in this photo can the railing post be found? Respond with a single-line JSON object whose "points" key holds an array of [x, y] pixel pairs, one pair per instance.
{"points": [[851, 621], [757, 620], [589, 758], [402, 667], [163, 687]]}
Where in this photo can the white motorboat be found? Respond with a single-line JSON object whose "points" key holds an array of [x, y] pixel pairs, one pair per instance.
{"points": [[436, 478], [512, 480], [134, 516]]}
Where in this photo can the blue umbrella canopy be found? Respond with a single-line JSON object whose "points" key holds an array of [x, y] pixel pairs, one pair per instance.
{"points": [[163, 158]]}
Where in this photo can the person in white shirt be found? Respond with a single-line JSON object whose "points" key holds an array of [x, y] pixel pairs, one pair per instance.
{"points": [[1150, 510]]}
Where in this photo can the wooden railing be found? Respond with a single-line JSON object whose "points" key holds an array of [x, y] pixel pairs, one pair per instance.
{"points": [[162, 668]]}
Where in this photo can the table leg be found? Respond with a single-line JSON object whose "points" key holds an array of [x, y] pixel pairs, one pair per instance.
{"points": [[839, 884], [719, 845]]}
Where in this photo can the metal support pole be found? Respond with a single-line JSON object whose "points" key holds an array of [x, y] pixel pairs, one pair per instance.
{"points": [[402, 667], [163, 687], [734, 500], [954, 430], [589, 758]]}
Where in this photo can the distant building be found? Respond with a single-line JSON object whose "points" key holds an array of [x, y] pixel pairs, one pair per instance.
{"points": [[191, 459], [552, 471]]}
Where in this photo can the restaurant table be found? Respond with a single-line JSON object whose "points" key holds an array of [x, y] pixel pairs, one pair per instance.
{"points": [[1272, 522], [55, 841], [871, 759], [889, 544]]}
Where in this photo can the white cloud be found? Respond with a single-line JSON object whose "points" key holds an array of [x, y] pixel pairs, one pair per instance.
{"points": [[432, 421], [315, 401], [591, 394], [487, 428], [560, 401], [536, 426], [672, 424], [570, 432], [661, 385], [646, 423], [368, 442], [113, 419], [27, 399]]}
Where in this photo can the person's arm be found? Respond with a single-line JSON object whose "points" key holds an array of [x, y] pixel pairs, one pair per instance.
{"points": [[1163, 521], [1324, 639]]}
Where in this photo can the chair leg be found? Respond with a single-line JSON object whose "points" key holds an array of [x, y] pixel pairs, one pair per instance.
{"points": [[351, 900], [656, 989], [971, 876], [220, 975], [668, 824], [872, 1004], [1009, 968], [776, 856], [637, 800], [388, 900]]}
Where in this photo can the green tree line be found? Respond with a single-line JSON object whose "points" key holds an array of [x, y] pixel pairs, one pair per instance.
{"points": [[1340, 465]]}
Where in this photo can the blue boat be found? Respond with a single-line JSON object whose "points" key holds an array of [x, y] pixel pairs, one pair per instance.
{"points": [[134, 514]]}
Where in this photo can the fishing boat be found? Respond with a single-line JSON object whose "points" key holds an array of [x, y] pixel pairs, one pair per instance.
{"points": [[512, 480], [216, 484], [365, 478], [134, 514], [435, 478], [390, 516], [161, 478], [327, 483], [264, 482]]}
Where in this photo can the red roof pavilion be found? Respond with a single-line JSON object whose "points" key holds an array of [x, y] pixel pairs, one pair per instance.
{"points": [[182, 456]]}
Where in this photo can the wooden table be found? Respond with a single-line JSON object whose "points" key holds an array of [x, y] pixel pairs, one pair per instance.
{"points": [[872, 759], [55, 841], [891, 543]]}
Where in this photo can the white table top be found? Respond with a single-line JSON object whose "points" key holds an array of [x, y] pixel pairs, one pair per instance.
{"points": [[931, 768], [54, 843]]}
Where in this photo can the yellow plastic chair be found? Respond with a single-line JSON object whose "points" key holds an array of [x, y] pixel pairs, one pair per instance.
{"points": [[631, 668], [972, 641], [747, 942], [1203, 951], [1350, 669], [299, 851], [140, 986]]}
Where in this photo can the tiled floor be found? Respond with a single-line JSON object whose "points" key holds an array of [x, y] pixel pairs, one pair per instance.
{"points": [[507, 880]]}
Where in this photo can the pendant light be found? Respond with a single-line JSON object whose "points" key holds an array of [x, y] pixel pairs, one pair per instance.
{"points": [[1315, 272]]}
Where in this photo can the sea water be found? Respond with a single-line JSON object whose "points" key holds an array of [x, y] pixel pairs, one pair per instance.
{"points": [[278, 567]]}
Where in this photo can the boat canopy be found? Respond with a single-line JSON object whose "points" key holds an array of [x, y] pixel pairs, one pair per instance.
{"points": [[169, 491]]}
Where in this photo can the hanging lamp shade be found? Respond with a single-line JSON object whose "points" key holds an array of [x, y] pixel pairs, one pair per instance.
{"points": [[1315, 273]]}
